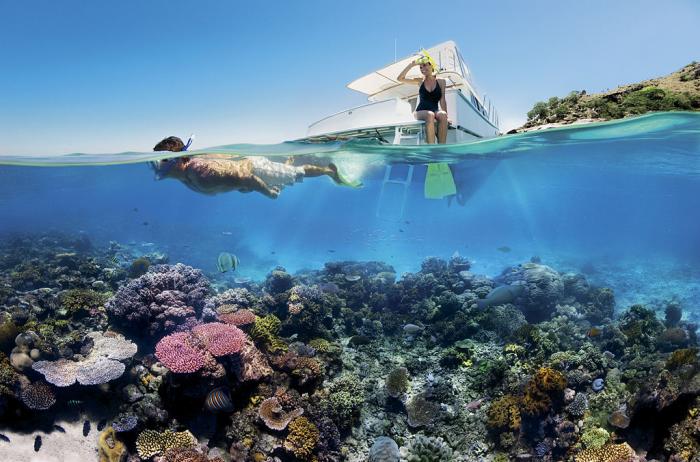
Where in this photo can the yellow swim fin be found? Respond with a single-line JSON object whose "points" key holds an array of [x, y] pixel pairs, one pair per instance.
{"points": [[439, 181]]}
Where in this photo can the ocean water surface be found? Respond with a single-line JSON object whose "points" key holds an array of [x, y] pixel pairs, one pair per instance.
{"points": [[617, 203]]}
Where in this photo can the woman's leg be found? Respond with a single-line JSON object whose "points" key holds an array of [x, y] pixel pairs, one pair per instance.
{"points": [[429, 118], [441, 117]]}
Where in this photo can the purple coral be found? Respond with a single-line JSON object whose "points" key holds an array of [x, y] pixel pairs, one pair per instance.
{"points": [[163, 298], [177, 353]]}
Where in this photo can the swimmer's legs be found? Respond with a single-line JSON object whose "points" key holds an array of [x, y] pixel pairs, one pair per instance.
{"points": [[441, 118]]}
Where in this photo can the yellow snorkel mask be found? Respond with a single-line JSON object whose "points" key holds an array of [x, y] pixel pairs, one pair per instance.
{"points": [[425, 58]]}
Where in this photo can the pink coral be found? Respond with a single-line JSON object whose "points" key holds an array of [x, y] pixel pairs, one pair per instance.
{"points": [[177, 353], [241, 317], [220, 339]]}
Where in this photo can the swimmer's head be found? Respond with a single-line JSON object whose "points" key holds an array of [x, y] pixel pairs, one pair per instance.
{"points": [[164, 167], [171, 143]]}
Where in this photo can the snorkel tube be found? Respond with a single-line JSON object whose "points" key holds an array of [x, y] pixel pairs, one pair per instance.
{"points": [[189, 142]]}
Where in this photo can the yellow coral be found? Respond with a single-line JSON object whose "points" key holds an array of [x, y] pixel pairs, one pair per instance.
{"points": [[150, 443], [608, 453], [110, 449], [504, 413], [321, 345], [302, 439], [265, 330], [547, 379]]}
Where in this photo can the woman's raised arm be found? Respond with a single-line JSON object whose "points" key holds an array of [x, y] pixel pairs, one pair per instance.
{"points": [[402, 76]]}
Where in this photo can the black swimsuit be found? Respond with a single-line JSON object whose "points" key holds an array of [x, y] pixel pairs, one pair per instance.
{"points": [[429, 99]]}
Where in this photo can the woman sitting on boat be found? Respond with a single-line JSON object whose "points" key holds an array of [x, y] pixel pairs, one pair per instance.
{"points": [[431, 92]]}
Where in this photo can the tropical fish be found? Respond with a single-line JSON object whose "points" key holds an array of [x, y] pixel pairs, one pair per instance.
{"points": [[412, 329], [329, 287], [504, 249], [476, 404], [219, 400], [4, 438], [58, 428], [101, 425], [145, 223], [226, 233], [114, 260], [86, 428], [500, 296], [331, 250], [593, 332], [135, 209], [352, 277], [37, 443], [243, 280], [226, 262], [75, 403], [357, 340]]}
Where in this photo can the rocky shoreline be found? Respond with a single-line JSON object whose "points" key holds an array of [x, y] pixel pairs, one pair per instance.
{"points": [[679, 90]]}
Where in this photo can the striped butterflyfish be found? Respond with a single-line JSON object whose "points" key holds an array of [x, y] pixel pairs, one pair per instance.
{"points": [[219, 400]]}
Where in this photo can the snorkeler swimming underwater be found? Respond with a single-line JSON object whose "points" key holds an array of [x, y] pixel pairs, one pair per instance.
{"points": [[218, 173]]}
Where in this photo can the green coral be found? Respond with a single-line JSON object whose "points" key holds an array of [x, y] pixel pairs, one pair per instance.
{"points": [[426, 449], [8, 332], [265, 330], [82, 300], [139, 267], [322, 345], [607, 401], [9, 379], [682, 357], [345, 398], [594, 438], [397, 382]]}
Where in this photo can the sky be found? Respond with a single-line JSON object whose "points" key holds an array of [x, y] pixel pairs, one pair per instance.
{"points": [[99, 76]]}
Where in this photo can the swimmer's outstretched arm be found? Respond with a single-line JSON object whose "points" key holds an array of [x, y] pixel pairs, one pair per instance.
{"points": [[260, 185]]}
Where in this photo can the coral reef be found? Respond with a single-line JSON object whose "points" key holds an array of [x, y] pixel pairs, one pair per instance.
{"points": [[346, 362]]}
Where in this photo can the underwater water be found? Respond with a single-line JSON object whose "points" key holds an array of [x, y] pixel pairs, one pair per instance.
{"points": [[378, 313]]}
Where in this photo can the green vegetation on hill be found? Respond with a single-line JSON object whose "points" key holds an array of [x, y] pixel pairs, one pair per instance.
{"points": [[679, 91]]}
